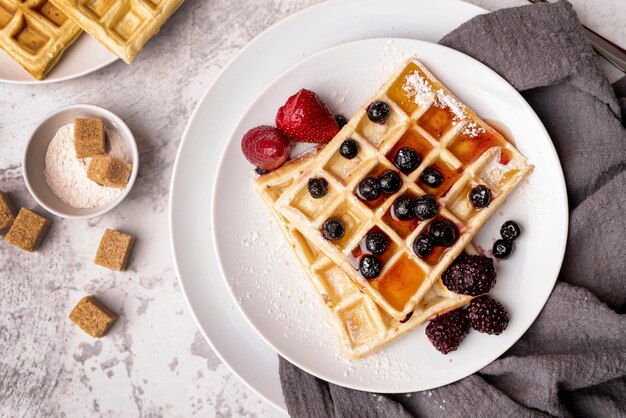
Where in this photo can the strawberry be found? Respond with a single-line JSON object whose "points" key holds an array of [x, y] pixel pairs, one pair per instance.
{"points": [[305, 118], [266, 147]]}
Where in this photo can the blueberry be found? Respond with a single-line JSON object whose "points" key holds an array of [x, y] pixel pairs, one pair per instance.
{"points": [[423, 246], [370, 266], [403, 208], [480, 196], [407, 159], [376, 242], [333, 230], [425, 207], [349, 149], [432, 177], [369, 189], [510, 230], [341, 120], [502, 248], [390, 182], [442, 233], [260, 171], [318, 187], [378, 111]]}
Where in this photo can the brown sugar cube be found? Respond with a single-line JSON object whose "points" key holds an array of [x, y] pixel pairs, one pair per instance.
{"points": [[6, 213], [28, 230], [89, 137], [114, 250], [109, 171], [92, 316]]}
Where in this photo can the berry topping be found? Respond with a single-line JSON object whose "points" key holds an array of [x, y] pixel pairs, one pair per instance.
{"points": [[390, 182], [261, 171], [376, 242], [407, 159], [305, 118], [510, 230], [425, 207], [378, 111], [432, 177], [370, 266], [341, 121], [502, 248], [423, 246], [487, 315], [406, 318], [480, 196], [447, 331], [403, 208], [349, 149], [443, 233], [369, 189], [333, 230], [318, 187], [470, 275], [266, 147]]}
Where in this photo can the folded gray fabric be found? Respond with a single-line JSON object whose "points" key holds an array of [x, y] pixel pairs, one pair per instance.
{"points": [[572, 361]]}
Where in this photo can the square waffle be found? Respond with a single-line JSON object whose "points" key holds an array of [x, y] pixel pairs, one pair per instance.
{"points": [[123, 26], [361, 325], [35, 34], [448, 135]]}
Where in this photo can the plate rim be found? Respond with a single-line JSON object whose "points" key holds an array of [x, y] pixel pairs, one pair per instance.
{"points": [[550, 147]]}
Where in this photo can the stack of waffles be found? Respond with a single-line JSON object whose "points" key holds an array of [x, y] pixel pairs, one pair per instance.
{"points": [[425, 116], [36, 33]]}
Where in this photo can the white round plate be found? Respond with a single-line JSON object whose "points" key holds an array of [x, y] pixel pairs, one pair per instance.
{"points": [[213, 120], [273, 292], [83, 57]]}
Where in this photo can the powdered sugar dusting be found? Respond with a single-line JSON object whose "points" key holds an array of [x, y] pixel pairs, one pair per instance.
{"points": [[417, 88], [459, 110]]}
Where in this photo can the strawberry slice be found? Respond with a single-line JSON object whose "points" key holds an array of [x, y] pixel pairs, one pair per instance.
{"points": [[266, 147], [305, 118]]}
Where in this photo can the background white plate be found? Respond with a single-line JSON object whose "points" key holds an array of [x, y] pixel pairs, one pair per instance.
{"points": [[268, 283], [279, 47], [84, 56]]}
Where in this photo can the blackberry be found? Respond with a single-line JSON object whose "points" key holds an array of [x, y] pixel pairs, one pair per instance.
{"points": [[390, 182], [443, 233], [470, 275], [487, 315], [333, 229], [510, 230], [403, 208], [480, 197], [376, 242], [432, 177], [349, 149], [423, 246], [318, 187], [370, 266], [425, 207], [378, 111], [446, 331], [502, 248], [341, 121], [369, 189], [407, 159]]}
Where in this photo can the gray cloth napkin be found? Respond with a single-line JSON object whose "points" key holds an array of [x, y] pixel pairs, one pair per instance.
{"points": [[572, 361]]}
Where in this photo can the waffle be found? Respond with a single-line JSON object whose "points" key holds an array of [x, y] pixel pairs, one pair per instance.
{"points": [[426, 117], [35, 34], [361, 325], [123, 26]]}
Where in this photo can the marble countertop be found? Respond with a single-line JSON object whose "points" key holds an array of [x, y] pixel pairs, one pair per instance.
{"points": [[156, 362]]}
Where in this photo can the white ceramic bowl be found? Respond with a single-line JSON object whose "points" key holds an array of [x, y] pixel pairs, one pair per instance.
{"points": [[33, 162]]}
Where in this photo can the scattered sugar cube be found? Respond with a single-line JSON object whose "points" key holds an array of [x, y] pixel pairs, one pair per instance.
{"points": [[28, 230], [92, 316], [89, 137], [6, 213], [114, 250], [109, 171]]}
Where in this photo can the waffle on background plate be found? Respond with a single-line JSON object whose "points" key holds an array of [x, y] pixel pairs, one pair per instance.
{"points": [[449, 136], [361, 325]]}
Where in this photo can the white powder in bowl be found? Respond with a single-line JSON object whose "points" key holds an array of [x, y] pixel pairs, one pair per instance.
{"points": [[66, 174]]}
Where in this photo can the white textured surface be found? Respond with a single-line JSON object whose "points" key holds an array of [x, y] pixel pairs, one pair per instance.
{"points": [[154, 362]]}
